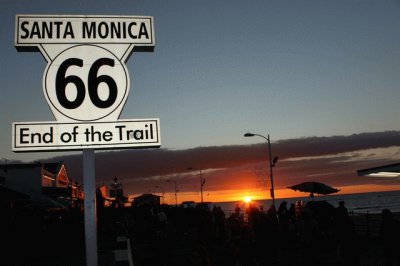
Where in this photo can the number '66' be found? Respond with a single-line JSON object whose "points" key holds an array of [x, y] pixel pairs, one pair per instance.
{"points": [[93, 84]]}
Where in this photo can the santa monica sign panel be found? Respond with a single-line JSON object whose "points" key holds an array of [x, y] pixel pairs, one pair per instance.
{"points": [[86, 82], [44, 29]]}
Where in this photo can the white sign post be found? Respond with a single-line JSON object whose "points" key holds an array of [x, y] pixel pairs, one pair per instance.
{"points": [[86, 84]]}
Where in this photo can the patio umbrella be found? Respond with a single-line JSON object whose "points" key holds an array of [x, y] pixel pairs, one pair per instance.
{"points": [[314, 188]]}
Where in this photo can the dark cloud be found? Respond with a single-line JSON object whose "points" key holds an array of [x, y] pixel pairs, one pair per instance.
{"points": [[315, 146], [143, 169]]}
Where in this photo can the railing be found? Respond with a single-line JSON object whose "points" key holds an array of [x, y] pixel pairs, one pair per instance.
{"points": [[368, 225]]}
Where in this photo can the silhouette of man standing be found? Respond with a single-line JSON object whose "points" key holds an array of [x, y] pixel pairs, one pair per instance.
{"points": [[390, 235]]}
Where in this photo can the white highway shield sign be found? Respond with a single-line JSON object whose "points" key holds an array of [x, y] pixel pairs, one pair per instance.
{"points": [[86, 81]]}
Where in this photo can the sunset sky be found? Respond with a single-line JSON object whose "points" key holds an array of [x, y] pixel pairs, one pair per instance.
{"points": [[320, 77]]}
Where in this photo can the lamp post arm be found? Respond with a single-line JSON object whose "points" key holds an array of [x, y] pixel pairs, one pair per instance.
{"points": [[266, 138]]}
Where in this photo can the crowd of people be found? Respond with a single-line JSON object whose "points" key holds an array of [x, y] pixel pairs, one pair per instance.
{"points": [[312, 233]]}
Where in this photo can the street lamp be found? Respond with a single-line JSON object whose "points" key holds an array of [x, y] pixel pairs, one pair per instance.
{"points": [[271, 162], [202, 181], [176, 192]]}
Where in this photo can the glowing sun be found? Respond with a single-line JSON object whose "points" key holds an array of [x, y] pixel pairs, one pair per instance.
{"points": [[247, 199]]}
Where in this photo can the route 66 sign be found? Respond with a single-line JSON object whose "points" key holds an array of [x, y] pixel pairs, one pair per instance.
{"points": [[86, 82], [84, 87], [86, 78]]}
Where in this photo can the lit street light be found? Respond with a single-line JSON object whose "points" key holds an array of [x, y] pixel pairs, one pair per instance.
{"points": [[271, 162], [202, 182]]}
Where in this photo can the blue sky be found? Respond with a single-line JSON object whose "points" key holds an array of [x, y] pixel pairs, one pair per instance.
{"points": [[290, 69]]}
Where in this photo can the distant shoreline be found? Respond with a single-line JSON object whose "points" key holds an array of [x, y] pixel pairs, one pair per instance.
{"points": [[371, 202]]}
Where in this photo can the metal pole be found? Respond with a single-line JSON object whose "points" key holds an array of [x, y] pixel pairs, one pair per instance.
{"points": [[271, 174], [201, 182], [201, 186], [176, 194], [89, 186], [271, 163]]}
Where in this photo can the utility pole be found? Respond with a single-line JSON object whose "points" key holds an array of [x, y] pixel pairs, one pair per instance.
{"points": [[202, 182]]}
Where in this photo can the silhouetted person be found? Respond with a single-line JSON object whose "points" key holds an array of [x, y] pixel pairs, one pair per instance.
{"points": [[298, 208], [341, 209], [292, 212], [346, 236], [100, 202], [259, 227], [234, 223], [390, 235], [272, 236], [237, 209], [284, 217], [310, 236], [219, 223]]}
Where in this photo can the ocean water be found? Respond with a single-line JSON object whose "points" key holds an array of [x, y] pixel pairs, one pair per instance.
{"points": [[372, 202]]}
